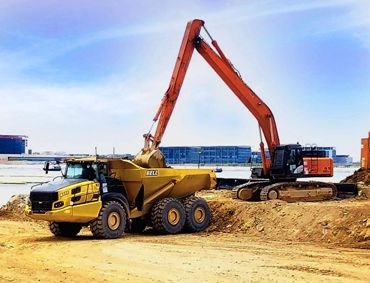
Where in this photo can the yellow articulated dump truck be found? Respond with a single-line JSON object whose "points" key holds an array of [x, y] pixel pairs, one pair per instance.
{"points": [[112, 196]]}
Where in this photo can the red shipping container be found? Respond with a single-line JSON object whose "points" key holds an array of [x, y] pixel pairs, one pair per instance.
{"points": [[365, 152]]}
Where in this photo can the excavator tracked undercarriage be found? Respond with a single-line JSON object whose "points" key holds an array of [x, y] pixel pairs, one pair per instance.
{"points": [[287, 191]]}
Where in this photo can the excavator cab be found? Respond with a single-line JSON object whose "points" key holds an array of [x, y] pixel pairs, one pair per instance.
{"points": [[290, 162], [287, 162]]}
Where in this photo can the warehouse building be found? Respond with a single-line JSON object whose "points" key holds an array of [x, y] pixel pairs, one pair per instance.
{"points": [[256, 157], [330, 151], [207, 154], [343, 159], [10, 144], [237, 155]]}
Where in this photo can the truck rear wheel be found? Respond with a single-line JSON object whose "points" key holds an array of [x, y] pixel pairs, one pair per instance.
{"points": [[168, 216], [65, 229], [198, 214], [111, 221]]}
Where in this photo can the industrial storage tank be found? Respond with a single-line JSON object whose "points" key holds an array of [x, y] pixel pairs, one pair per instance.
{"points": [[11, 144]]}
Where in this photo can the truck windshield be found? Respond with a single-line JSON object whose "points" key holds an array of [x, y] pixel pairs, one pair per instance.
{"points": [[81, 171]]}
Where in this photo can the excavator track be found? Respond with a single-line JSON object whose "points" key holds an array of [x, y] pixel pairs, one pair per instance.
{"points": [[249, 190], [299, 191]]}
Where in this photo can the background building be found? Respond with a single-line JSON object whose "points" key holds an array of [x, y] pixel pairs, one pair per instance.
{"points": [[234, 154], [256, 157], [343, 159], [207, 154], [330, 151], [10, 144]]}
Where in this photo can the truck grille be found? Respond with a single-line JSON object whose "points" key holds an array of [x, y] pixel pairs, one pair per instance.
{"points": [[42, 201]]}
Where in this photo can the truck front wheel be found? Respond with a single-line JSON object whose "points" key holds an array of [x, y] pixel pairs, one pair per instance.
{"points": [[64, 229], [111, 221]]}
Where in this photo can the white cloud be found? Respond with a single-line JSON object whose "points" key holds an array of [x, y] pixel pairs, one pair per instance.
{"points": [[77, 118]]}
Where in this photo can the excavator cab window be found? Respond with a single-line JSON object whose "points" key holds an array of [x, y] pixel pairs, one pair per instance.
{"points": [[292, 157], [294, 161], [287, 162], [279, 155], [278, 165]]}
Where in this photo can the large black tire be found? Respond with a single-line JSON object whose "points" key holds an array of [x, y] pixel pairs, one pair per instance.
{"points": [[65, 229], [198, 214], [138, 225], [168, 216], [111, 222]]}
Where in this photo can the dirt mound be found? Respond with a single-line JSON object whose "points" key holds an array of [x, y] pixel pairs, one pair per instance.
{"points": [[361, 175], [15, 207], [345, 222]]}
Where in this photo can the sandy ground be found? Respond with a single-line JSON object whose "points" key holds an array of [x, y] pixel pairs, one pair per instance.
{"points": [[270, 241], [30, 254]]}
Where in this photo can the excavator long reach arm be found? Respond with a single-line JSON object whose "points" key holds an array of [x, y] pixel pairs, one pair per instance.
{"points": [[286, 163], [150, 156]]}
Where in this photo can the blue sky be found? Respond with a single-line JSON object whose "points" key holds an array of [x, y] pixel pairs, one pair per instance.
{"points": [[79, 74]]}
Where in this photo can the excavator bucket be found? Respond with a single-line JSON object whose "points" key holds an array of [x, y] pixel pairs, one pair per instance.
{"points": [[150, 159]]}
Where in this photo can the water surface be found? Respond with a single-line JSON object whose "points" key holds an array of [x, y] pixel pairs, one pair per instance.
{"points": [[19, 177]]}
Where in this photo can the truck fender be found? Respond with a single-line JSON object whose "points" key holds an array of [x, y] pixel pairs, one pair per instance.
{"points": [[117, 197]]}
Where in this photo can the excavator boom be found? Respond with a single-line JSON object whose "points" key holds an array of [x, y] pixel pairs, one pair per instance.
{"points": [[222, 66], [169, 100], [246, 95]]}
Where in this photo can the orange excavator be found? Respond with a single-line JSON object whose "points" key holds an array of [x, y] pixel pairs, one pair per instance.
{"points": [[277, 179]]}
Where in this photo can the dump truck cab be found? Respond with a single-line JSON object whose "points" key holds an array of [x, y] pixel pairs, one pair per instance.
{"points": [[95, 170], [113, 195], [77, 195]]}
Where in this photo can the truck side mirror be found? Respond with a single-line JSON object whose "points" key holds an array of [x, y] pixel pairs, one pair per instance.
{"points": [[58, 167], [63, 171], [46, 167]]}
